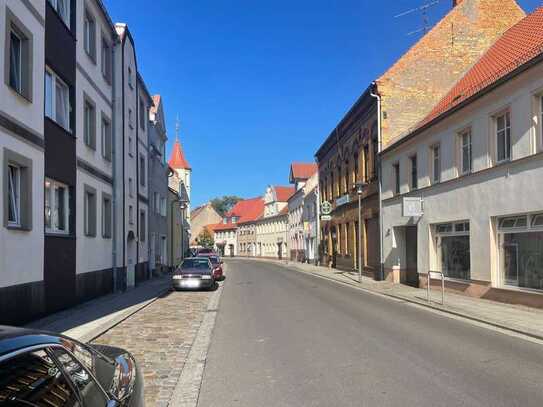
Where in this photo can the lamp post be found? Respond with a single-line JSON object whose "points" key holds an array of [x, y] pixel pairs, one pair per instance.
{"points": [[359, 189]]}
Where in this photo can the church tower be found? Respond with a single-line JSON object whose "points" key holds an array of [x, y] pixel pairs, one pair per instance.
{"points": [[181, 167]]}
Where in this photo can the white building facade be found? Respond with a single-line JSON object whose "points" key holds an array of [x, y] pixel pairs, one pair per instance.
{"points": [[477, 165], [310, 219]]}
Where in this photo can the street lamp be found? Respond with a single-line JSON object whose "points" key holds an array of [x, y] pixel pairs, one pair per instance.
{"points": [[359, 189]]}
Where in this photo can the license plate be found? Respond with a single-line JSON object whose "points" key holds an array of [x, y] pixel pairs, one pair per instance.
{"points": [[190, 283]]}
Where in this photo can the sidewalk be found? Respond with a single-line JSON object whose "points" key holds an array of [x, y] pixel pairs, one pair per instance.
{"points": [[86, 321], [516, 318]]}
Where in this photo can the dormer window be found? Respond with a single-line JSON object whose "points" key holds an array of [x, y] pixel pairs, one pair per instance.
{"points": [[234, 219], [225, 220]]}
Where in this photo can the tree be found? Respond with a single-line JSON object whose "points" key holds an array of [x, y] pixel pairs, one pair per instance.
{"points": [[205, 238], [224, 204]]}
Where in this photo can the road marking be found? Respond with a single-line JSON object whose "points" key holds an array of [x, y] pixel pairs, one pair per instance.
{"points": [[187, 389]]}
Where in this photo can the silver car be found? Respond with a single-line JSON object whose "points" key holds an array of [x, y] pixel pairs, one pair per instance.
{"points": [[193, 274]]}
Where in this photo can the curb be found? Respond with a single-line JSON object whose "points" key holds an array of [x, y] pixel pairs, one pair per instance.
{"points": [[411, 301]]}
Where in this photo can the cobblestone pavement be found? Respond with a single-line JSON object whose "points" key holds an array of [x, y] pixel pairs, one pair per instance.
{"points": [[160, 337]]}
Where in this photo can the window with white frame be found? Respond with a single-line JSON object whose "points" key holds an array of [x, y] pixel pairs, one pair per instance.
{"points": [[130, 187], [466, 155], [130, 214], [454, 249], [57, 99], [14, 195], [503, 137], [15, 61], [143, 172], [436, 163], [130, 146], [130, 77], [62, 8], [89, 35], [521, 251], [156, 202], [106, 60], [106, 216], [142, 227], [56, 207], [163, 206]]}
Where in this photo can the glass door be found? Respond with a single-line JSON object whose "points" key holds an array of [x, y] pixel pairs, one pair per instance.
{"points": [[510, 264]]}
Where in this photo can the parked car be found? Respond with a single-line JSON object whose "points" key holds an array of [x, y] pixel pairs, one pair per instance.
{"points": [[217, 263], [205, 252], [40, 368], [194, 273]]}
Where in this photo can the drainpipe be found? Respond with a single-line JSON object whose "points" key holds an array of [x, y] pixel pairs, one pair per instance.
{"points": [[375, 94], [114, 171]]}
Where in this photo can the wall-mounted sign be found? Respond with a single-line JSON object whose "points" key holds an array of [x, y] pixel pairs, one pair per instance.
{"points": [[342, 200], [326, 217], [412, 207], [326, 208]]}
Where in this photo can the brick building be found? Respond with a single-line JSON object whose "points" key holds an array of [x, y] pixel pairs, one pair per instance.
{"points": [[385, 112]]}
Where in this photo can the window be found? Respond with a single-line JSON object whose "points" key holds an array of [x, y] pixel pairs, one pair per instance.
{"points": [[355, 169], [130, 214], [18, 56], [89, 123], [62, 7], [466, 152], [130, 146], [106, 138], [503, 137], [163, 206], [521, 239], [130, 119], [14, 195], [142, 170], [454, 249], [89, 36], [130, 78], [142, 226], [414, 175], [106, 216], [106, 60], [366, 163], [142, 115], [436, 163], [80, 377], [130, 187], [35, 380], [89, 211], [15, 62], [396, 168], [156, 202], [56, 207], [375, 150], [57, 100]]}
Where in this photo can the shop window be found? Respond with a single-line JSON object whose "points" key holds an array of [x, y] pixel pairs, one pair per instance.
{"points": [[454, 249], [537, 220], [513, 222]]}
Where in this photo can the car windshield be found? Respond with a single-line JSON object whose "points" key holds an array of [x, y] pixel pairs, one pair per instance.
{"points": [[214, 260], [195, 264]]}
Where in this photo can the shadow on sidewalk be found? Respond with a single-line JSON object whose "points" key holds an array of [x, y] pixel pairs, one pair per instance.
{"points": [[94, 310]]}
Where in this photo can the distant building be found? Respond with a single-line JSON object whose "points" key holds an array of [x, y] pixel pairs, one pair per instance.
{"points": [[200, 217], [251, 210], [299, 174], [272, 227], [310, 218]]}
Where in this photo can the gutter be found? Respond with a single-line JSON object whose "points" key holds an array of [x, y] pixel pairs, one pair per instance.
{"points": [[375, 94]]}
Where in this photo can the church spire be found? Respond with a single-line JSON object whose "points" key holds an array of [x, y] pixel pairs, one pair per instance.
{"points": [[177, 158]]}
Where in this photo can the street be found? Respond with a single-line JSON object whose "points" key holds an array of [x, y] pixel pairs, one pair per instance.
{"points": [[283, 338]]}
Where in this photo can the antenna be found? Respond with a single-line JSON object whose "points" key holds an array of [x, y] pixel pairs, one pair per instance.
{"points": [[424, 14]]}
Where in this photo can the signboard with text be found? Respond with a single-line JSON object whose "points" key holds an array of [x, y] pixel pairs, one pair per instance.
{"points": [[342, 200], [412, 207], [326, 217]]}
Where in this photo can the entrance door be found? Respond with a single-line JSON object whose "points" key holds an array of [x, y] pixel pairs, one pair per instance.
{"points": [[412, 276], [280, 250]]}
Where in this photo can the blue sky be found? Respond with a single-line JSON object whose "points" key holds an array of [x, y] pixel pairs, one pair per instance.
{"points": [[259, 84]]}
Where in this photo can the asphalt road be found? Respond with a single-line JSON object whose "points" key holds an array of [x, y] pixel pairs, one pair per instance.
{"points": [[284, 338]]}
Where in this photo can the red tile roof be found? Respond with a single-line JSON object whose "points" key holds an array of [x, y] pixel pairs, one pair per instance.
{"points": [[222, 226], [177, 158], [302, 171], [517, 46], [248, 209], [282, 194]]}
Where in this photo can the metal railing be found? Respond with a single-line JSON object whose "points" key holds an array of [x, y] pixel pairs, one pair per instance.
{"points": [[429, 283]]}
